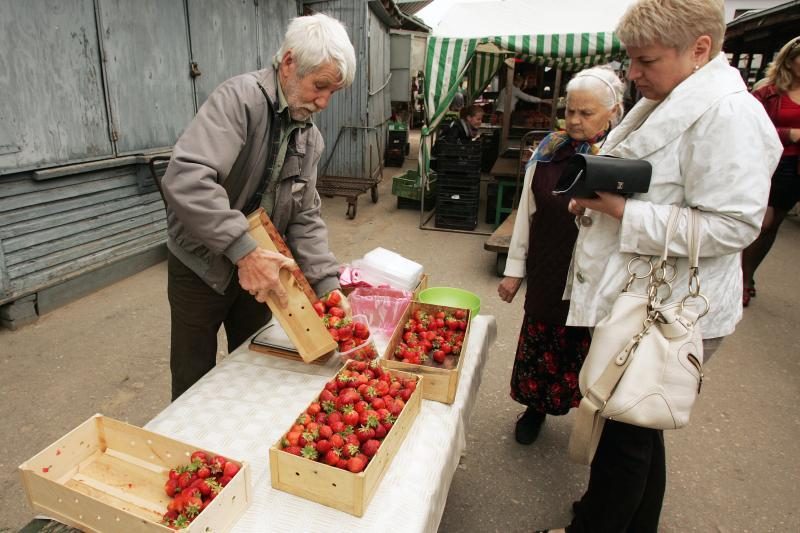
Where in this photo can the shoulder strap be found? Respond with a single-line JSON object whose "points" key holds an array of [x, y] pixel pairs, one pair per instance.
{"points": [[274, 140]]}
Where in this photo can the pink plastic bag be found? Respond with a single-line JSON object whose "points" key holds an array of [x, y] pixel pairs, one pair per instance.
{"points": [[383, 307]]}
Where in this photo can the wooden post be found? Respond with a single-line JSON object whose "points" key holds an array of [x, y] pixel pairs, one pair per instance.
{"points": [[507, 110], [556, 93]]}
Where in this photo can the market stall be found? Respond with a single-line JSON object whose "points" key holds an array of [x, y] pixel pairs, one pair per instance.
{"points": [[476, 39]]}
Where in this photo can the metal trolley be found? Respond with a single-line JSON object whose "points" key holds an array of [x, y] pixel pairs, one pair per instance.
{"points": [[351, 187]]}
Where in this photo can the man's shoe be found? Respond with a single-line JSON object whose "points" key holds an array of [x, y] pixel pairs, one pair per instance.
{"points": [[528, 426]]}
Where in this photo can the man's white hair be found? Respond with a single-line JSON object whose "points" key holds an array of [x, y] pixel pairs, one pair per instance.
{"points": [[318, 39]]}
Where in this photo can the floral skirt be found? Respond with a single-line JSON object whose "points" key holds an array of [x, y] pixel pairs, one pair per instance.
{"points": [[548, 360]]}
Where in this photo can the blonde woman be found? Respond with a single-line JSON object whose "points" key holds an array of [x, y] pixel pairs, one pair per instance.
{"points": [[713, 149], [780, 95]]}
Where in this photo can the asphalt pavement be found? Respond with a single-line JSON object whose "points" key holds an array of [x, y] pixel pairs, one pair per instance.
{"points": [[734, 469]]}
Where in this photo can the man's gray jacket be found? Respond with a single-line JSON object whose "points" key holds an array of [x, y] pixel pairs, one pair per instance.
{"points": [[216, 167]]}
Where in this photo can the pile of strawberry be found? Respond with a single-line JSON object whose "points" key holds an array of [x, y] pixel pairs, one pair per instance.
{"points": [[432, 337], [345, 426], [194, 486], [348, 333]]}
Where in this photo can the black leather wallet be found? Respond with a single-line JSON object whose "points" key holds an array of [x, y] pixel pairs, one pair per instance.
{"points": [[585, 174]]}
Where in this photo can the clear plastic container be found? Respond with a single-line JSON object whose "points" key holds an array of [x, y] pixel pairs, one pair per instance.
{"points": [[383, 307], [366, 351], [384, 267]]}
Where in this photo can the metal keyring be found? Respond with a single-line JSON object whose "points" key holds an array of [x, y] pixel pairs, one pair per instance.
{"points": [[632, 265], [701, 296]]}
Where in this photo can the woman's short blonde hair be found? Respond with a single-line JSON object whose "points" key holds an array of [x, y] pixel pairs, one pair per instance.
{"points": [[779, 71], [673, 23]]}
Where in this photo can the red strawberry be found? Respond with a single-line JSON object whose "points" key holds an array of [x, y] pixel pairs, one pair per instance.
{"points": [[350, 417], [460, 314], [171, 487], [334, 297], [319, 307], [337, 312], [380, 431], [332, 457], [224, 480], [360, 330], [203, 472], [294, 450], [199, 457], [314, 408], [230, 469], [323, 446], [345, 333], [337, 440], [356, 464], [342, 464], [325, 432], [185, 480]]}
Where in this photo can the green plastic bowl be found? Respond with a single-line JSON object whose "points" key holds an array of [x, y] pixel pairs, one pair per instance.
{"points": [[451, 297]]}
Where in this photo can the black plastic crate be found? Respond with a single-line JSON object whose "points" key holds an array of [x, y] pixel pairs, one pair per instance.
{"points": [[471, 189], [455, 222], [459, 165], [459, 177], [463, 207], [458, 150]]}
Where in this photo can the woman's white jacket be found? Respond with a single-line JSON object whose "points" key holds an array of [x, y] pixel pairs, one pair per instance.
{"points": [[712, 148]]}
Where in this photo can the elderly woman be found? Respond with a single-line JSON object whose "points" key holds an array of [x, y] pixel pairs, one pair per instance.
{"points": [[712, 149], [549, 355], [780, 96]]}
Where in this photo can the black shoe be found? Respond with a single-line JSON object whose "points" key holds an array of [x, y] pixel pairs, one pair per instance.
{"points": [[528, 425]]}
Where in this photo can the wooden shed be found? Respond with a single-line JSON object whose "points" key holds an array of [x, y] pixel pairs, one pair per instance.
{"points": [[92, 90]]}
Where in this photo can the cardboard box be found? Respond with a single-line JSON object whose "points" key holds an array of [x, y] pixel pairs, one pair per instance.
{"points": [[440, 383], [337, 488], [106, 475]]}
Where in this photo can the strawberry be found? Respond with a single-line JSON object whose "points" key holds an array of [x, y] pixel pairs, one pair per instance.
{"points": [[230, 469], [325, 432], [314, 408], [350, 417], [356, 464], [342, 464], [203, 472], [185, 480], [309, 452], [294, 450], [338, 426], [319, 307], [380, 431], [171, 487], [332, 457], [224, 480], [360, 330], [323, 446], [460, 314], [337, 440], [438, 356], [337, 312], [333, 298], [345, 333], [199, 457]]}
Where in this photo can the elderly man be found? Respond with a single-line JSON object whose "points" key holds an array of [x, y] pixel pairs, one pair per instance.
{"points": [[251, 145]]}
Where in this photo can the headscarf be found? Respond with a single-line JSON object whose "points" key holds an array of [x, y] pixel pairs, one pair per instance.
{"points": [[551, 144]]}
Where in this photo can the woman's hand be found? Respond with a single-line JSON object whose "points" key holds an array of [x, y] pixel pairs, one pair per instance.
{"points": [[508, 288], [609, 203]]}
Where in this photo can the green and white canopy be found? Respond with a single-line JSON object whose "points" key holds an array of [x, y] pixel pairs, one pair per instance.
{"points": [[571, 34]]}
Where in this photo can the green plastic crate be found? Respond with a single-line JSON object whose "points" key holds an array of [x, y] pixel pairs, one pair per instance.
{"points": [[407, 185]]}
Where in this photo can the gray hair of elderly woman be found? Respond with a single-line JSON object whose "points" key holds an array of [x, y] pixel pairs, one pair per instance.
{"points": [[605, 85], [318, 39], [673, 23]]}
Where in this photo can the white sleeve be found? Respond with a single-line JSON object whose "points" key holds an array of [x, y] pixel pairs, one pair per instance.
{"points": [[726, 166], [518, 248], [525, 96]]}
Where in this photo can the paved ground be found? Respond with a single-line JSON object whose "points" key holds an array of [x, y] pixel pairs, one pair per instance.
{"points": [[734, 469]]}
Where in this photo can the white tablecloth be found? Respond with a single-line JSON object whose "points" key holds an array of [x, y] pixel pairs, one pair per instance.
{"points": [[248, 401]]}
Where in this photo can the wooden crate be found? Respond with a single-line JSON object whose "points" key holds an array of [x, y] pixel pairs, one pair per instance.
{"points": [[106, 475], [299, 319], [440, 383], [339, 488]]}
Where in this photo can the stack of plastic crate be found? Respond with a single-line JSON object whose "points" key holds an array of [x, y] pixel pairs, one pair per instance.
{"points": [[459, 180]]}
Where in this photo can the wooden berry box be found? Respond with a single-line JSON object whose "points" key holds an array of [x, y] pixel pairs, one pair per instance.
{"points": [[106, 475], [441, 382], [337, 488]]}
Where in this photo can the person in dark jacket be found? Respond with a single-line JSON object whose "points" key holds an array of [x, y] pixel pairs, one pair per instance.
{"points": [[780, 95], [465, 129], [251, 145]]}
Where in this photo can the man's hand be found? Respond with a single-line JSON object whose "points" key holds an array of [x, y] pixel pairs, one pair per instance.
{"points": [[508, 288], [609, 203], [259, 274]]}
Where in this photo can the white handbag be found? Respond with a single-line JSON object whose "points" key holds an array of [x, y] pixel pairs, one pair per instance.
{"points": [[644, 366]]}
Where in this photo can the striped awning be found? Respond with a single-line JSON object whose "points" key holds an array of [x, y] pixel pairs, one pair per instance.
{"points": [[449, 59]]}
